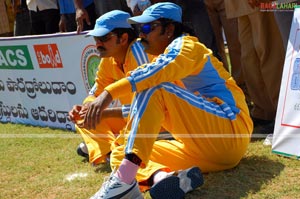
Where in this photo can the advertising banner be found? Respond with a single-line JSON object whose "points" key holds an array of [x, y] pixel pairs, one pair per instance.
{"points": [[286, 136], [42, 77]]}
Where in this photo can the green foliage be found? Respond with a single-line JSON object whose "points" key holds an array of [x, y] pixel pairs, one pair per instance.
{"points": [[36, 163]]}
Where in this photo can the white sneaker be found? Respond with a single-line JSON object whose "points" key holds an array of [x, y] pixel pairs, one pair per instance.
{"points": [[113, 188], [268, 140], [175, 187]]}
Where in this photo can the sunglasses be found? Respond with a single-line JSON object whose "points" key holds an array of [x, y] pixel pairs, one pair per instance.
{"points": [[148, 27], [105, 38]]}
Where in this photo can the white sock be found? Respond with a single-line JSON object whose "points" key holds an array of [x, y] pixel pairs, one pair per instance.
{"points": [[159, 176]]}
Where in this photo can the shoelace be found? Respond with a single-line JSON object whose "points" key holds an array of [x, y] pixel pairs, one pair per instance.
{"points": [[106, 184]]}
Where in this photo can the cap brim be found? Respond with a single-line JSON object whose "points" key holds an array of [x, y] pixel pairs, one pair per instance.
{"points": [[141, 19], [99, 32]]}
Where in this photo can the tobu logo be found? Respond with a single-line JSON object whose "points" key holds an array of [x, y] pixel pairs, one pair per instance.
{"points": [[48, 56]]}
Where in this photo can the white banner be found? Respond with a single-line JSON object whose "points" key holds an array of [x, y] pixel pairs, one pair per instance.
{"points": [[42, 77], [286, 138]]}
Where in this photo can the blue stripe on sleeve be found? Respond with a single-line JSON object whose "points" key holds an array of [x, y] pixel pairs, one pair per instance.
{"points": [[93, 90], [223, 110], [163, 60], [139, 53], [125, 110]]}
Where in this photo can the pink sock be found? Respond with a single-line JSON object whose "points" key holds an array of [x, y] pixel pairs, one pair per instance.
{"points": [[127, 171]]}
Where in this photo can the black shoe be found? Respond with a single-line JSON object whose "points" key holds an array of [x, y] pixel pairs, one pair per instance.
{"points": [[262, 128], [261, 122], [81, 150], [178, 184]]}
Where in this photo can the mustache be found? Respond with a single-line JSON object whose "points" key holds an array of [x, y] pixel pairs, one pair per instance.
{"points": [[144, 41], [100, 48]]}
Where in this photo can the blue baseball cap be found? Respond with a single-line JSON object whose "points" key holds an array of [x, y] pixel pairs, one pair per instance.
{"points": [[109, 21], [159, 10]]}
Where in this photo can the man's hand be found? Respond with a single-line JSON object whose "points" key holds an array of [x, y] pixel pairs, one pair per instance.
{"points": [[94, 111], [62, 24], [78, 112], [75, 113], [81, 15]]}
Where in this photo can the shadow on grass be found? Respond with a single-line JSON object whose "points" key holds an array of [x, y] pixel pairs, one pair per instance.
{"points": [[103, 168], [100, 168], [247, 177]]}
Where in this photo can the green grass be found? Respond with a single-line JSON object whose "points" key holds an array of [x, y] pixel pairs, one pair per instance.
{"points": [[35, 163]]}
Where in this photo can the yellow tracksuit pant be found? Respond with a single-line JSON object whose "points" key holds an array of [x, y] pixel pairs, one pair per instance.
{"points": [[205, 137], [99, 141]]}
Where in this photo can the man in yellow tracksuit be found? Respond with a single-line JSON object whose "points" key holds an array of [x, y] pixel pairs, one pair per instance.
{"points": [[187, 91], [120, 52]]}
